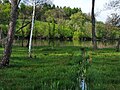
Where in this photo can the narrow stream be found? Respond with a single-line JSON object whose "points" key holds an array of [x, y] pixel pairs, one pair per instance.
{"points": [[83, 85]]}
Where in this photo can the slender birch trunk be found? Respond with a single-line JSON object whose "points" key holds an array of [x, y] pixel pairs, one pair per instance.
{"points": [[32, 27]]}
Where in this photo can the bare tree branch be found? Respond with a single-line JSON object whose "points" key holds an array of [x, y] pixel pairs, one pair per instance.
{"points": [[23, 26], [114, 4]]}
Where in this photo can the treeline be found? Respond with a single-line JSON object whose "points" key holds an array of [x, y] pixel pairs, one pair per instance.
{"points": [[54, 22]]}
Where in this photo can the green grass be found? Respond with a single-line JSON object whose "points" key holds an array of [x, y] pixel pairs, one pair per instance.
{"points": [[52, 69], [104, 74], [57, 69]]}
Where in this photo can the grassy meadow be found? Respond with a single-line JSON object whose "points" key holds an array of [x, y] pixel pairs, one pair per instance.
{"points": [[56, 68]]}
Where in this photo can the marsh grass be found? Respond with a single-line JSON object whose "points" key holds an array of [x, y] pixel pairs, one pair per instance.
{"points": [[104, 74], [51, 69], [57, 69]]}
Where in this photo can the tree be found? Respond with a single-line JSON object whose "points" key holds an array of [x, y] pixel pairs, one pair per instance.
{"points": [[23, 12], [4, 13], [113, 4], [101, 31], [78, 21], [4, 18], [32, 26], [115, 19], [35, 3], [10, 35], [0, 34], [94, 40], [0, 1], [5, 1], [118, 45]]}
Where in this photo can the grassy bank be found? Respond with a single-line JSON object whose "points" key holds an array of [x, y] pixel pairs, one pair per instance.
{"points": [[57, 69]]}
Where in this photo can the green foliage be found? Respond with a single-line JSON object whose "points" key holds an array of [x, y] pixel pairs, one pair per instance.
{"points": [[41, 28], [4, 13], [22, 7], [4, 29], [78, 18], [5, 1], [57, 22], [46, 30], [100, 30], [107, 31], [76, 35], [78, 23], [68, 11], [88, 30], [25, 12]]}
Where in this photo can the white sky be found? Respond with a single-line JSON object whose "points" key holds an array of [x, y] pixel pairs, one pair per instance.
{"points": [[85, 6]]}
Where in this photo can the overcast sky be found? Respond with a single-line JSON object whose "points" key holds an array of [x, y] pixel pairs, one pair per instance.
{"points": [[85, 5]]}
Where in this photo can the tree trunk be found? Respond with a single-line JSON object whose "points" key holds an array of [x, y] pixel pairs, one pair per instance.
{"points": [[118, 45], [0, 37], [94, 41], [22, 38], [0, 34], [28, 36], [10, 34], [32, 27], [23, 31]]}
